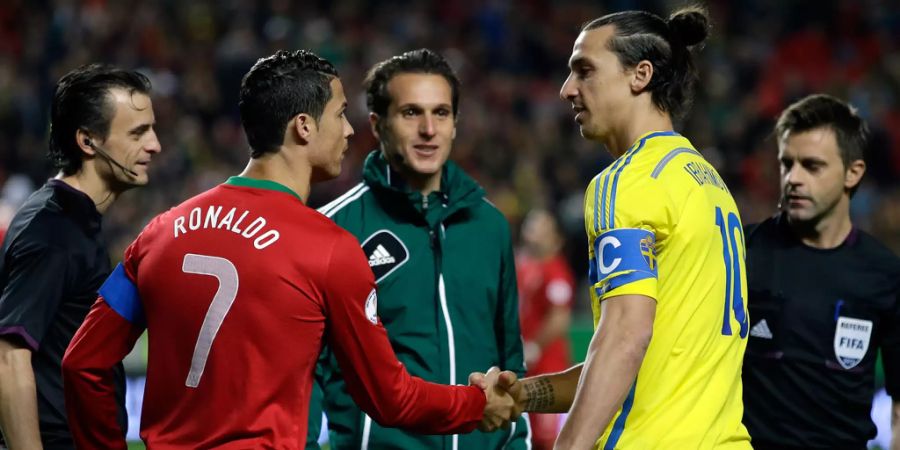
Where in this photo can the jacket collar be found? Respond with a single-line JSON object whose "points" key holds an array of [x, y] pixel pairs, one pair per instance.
{"points": [[458, 190]]}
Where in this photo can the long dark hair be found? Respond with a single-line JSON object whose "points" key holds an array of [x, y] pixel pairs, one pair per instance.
{"points": [[640, 35]]}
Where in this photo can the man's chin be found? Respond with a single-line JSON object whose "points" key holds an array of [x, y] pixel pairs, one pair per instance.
{"points": [[590, 133], [427, 167], [800, 216]]}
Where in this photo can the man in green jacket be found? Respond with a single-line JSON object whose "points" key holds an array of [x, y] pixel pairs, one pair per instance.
{"points": [[441, 254]]}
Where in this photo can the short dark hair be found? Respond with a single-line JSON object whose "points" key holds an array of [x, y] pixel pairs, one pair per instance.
{"points": [[640, 35], [422, 60], [820, 110], [276, 89], [82, 101]]}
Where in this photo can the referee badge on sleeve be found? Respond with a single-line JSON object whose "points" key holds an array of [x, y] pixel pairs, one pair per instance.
{"points": [[851, 340]]}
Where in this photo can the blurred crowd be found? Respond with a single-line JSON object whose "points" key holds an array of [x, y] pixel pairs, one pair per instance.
{"points": [[515, 135]]}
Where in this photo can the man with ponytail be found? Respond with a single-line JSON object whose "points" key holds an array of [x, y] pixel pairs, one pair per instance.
{"points": [[668, 283]]}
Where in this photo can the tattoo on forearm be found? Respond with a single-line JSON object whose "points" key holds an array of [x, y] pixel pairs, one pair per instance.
{"points": [[539, 394]]}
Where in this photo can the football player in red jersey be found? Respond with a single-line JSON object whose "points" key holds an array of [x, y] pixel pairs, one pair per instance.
{"points": [[236, 316], [546, 288]]}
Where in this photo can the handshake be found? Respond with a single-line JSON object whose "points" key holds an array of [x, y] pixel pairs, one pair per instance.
{"points": [[505, 398]]}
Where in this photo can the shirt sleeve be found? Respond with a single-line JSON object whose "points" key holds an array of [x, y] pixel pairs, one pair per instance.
{"points": [[36, 282], [890, 353], [103, 340], [108, 334], [625, 218], [375, 379]]}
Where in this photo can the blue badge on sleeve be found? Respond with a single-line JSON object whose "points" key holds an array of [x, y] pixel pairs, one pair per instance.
{"points": [[623, 256], [122, 296]]}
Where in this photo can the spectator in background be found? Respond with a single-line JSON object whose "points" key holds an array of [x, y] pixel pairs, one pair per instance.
{"points": [[441, 254], [546, 287], [824, 295], [16, 190], [54, 257]]}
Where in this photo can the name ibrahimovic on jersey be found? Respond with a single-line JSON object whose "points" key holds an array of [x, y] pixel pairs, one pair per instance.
{"points": [[196, 220]]}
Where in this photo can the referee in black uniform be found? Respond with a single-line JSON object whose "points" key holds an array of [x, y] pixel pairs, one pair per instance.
{"points": [[823, 295], [53, 256]]}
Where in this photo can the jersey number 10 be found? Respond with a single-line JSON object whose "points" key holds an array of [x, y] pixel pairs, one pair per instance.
{"points": [[733, 270]]}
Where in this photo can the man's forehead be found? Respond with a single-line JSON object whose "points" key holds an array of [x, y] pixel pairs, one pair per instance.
{"points": [[131, 99], [819, 142], [590, 43], [337, 92], [422, 88]]}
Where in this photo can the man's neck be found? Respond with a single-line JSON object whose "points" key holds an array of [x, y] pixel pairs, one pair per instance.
{"points": [[621, 140], [425, 184], [296, 176], [829, 232], [90, 183]]}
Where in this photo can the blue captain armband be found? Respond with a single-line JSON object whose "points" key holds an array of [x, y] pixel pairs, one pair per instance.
{"points": [[121, 295], [623, 256]]}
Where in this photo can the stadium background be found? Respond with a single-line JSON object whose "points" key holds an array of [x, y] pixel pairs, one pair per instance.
{"points": [[515, 136]]}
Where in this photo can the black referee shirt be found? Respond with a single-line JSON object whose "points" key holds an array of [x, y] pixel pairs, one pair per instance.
{"points": [[54, 260], [818, 319]]}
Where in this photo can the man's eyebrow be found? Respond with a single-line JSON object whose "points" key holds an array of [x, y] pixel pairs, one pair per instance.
{"points": [[140, 129], [577, 61]]}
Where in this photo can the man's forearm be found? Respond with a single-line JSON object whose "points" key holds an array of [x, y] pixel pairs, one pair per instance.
{"points": [[614, 358], [18, 398], [552, 393], [604, 385]]}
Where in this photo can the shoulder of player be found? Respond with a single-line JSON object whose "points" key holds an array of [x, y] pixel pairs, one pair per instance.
{"points": [[487, 212], [875, 251], [346, 203], [760, 231], [645, 162], [43, 226]]}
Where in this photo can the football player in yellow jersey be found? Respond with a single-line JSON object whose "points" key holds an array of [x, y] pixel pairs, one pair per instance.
{"points": [[663, 370]]}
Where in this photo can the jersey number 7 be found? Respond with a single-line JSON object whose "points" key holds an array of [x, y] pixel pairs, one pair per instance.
{"points": [[226, 273], [734, 267]]}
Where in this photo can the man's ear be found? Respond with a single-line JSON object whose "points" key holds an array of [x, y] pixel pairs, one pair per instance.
{"points": [[304, 127], [373, 123], [84, 141], [854, 174], [642, 73]]}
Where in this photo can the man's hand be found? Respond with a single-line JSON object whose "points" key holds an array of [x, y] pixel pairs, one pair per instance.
{"points": [[500, 408], [509, 382], [549, 393]]}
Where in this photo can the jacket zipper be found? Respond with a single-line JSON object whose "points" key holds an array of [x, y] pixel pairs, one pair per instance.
{"points": [[445, 310]]}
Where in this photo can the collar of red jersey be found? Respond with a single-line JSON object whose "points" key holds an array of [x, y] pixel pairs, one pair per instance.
{"points": [[260, 184]]}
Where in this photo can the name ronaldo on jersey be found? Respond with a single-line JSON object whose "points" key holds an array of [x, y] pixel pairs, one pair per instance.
{"points": [[197, 220]]}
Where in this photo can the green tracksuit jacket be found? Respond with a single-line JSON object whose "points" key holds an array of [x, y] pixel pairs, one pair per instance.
{"points": [[446, 294]]}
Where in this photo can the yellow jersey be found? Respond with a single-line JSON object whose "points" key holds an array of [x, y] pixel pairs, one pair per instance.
{"points": [[661, 222]]}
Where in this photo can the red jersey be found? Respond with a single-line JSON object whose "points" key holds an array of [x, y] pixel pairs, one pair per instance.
{"points": [[542, 285], [238, 288]]}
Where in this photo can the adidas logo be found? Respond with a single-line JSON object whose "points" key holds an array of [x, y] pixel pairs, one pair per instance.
{"points": [[761, 330], [380, 257]]}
